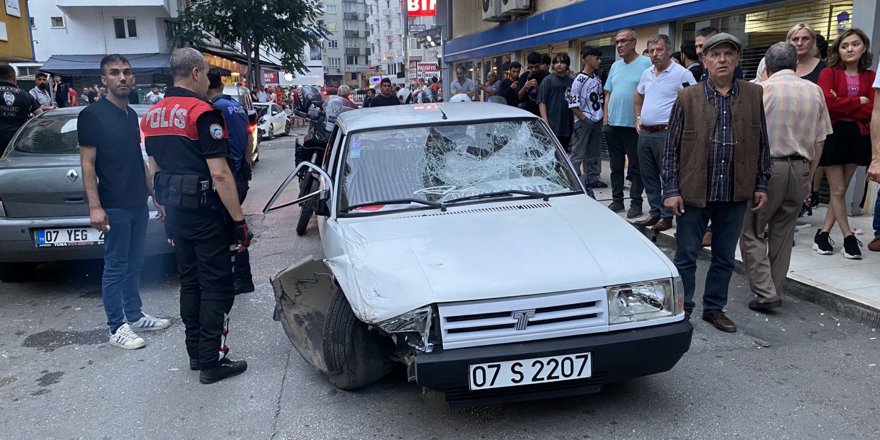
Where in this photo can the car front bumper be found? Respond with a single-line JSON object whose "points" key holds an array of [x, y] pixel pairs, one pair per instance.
{"points": [[616, 356], [17, 240]]}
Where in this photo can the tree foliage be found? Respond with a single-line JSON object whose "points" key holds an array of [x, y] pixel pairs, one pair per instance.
{"points": [[284, 26]]}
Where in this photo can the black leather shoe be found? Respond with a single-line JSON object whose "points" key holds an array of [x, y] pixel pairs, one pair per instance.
{"points": [[720, 321], [225, 369], [687, 315], [650, 221], [194, 364], [765, 306]]}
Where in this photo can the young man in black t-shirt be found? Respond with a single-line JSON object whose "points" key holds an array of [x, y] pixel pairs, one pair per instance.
{"points": [[16, 106], [510, 86], [529, 82], [554, 96], [116, 184], [386, 95]]}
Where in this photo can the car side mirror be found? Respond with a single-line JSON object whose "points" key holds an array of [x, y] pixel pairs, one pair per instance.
{"points": [[322, 208], [325, 194]]}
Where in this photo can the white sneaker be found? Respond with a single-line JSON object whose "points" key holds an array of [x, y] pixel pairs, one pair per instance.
{"points": [[126, 338], [149, 323]]}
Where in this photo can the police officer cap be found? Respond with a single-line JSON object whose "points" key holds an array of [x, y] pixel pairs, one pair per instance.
{"points": [[722, 38]]}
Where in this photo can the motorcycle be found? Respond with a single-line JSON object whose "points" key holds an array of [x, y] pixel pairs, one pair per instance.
{"points": [[311, 150]]}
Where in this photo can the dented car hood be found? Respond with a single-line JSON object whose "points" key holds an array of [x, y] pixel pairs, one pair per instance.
{"points": [[396, 262]]}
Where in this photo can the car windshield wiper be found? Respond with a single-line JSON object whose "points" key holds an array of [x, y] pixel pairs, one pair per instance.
{"points": [[396, 202], [511, 192]]}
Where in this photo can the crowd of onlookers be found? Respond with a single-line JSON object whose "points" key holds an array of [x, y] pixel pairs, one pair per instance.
{"points": [[730, 161]]}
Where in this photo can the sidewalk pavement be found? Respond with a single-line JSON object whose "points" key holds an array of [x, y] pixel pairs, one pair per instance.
{"points": [[851, 288]]}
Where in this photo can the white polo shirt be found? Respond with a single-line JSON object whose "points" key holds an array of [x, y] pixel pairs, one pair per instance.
{"points": [[660, 92]]}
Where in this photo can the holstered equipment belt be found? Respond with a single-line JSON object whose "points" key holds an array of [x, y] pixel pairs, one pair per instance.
{"points": [[185, 191]]}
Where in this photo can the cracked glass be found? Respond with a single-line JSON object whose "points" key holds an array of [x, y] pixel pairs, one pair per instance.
{"points": [[436, 164]]}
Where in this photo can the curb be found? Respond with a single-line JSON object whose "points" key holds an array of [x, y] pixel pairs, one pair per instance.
{"points": [[833, 299]]}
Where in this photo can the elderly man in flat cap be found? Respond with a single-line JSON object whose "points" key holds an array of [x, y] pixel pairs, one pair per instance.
{"points": [[716, 164]]}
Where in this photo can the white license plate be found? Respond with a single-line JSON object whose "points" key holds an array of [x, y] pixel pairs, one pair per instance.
{"points": [[530, 371], [85, 236]]}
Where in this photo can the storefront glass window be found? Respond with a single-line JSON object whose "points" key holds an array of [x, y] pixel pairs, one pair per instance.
{"points": [[760, 29]]}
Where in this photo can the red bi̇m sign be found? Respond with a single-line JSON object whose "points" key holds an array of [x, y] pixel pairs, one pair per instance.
{"points": [[421, 8]]}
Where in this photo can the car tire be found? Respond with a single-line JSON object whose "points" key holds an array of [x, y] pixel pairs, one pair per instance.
{"points": [[355, 355], [307, 185], [15, 272]]}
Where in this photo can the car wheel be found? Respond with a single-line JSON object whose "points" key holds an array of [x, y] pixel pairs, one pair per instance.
{"points": [[15, 272], [355, 355]]}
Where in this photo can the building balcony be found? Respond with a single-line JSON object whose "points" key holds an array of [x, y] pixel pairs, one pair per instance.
{"points": [[163, 4], [351, 16], [352, 51], [352, 34]]}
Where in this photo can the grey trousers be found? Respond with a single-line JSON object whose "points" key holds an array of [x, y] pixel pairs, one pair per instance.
{"points": [[586, 146], [767, 261], [650, 166]]}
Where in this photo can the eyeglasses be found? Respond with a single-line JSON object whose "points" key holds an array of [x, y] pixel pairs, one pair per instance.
{"points": [[624, 41]]}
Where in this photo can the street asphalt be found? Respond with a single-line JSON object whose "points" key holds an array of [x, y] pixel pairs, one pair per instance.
{"points": [[801, 373]]}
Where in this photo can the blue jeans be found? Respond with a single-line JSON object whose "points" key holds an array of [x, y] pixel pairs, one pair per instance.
{"points": [[877, 215], [727, 220], [650, 165], [123, 259]]}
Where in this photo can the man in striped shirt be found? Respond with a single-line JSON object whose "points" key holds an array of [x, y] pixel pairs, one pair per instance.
{"points": [[797, 125]]}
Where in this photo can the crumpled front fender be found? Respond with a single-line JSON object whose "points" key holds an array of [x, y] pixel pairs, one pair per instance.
{"points": [[303, 293]]}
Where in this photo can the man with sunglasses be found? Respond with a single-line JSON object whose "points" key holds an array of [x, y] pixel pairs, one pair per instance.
{"points": [[386, 95], [620, 122]]}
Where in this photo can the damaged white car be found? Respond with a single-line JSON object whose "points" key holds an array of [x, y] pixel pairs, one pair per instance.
{"points": [[458, 241]]}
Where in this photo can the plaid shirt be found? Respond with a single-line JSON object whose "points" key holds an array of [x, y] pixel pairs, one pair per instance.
{"points": [[719, 165]]}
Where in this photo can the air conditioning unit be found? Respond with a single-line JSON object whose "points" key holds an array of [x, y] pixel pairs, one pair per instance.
{"points": [[516, 7], [492, 10]]}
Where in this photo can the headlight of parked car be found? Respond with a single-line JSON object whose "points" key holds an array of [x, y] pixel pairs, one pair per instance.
{"points": [[415, 325], [645, 300]]}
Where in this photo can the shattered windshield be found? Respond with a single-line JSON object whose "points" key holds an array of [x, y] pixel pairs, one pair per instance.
{"points": [[439, 164]]}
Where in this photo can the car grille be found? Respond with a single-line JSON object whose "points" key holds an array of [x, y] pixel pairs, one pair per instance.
{"points": [[501, 321]]}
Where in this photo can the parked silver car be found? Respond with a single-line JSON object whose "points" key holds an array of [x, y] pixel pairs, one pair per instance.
{"points": [[44, 214]]}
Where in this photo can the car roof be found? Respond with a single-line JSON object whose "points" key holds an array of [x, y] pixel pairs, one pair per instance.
{"points": [[427, 114], [138, 108]]}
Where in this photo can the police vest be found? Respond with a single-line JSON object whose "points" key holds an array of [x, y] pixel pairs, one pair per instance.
{"points": [[171, 137]]}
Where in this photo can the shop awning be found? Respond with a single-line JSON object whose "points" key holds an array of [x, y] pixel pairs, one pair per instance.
{"points": [[234, 55], [79, 65]]}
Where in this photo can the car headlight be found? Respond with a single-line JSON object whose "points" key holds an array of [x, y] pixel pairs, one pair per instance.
{"points": [[415, 325], [645, 300]]}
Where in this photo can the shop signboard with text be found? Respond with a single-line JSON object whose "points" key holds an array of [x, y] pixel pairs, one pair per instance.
{"points": [[421, 8]]}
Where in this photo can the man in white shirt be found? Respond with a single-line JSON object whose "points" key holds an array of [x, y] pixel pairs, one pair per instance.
{"points": [[154, 96], [655, 95], [587, 100]]}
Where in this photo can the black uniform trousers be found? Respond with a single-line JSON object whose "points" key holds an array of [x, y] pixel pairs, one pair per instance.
{"points": [[201, 243], [241, 271]]}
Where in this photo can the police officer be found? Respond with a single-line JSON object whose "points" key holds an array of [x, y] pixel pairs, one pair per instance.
{"points": [[187, 146], [16, 106], [240, 141]]}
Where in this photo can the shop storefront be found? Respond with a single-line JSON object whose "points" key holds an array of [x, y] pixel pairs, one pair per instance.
{"points": [[761, 27]]}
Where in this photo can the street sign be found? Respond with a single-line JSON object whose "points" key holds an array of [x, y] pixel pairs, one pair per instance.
{"points": [[421, 8], [417, 28]]}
